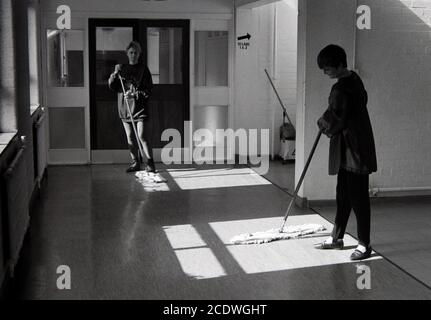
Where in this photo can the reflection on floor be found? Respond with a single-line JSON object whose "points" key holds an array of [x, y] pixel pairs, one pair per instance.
{"points": [[122, 242]]}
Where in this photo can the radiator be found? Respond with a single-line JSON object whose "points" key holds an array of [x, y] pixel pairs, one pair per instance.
{"points": [[17, 216]]}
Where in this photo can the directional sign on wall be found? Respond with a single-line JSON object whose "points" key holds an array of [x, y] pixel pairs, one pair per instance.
{"points": [[243, 41]]}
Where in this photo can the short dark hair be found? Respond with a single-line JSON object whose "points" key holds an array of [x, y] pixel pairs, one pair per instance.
{"points": [[135, 45], [332, 56]]}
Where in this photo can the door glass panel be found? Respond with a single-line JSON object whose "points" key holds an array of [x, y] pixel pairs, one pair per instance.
{"points": [[111, 44], [65, 58], [211, 58], [164, 55]]}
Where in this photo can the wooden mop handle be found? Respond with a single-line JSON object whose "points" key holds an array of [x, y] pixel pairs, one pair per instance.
{"points": [[298, 186], [285, 115]]}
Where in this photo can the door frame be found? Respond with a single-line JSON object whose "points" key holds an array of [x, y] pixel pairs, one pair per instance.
{"points": [[139, 26]]}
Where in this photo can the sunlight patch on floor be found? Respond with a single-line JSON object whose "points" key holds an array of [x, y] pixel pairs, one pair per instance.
{"points": [[196, 259], [216, 178], [199, 261], [183, 236], [422, 13], [282, 254]]}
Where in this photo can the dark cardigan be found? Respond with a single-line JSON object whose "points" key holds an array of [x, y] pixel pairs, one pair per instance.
{"points": [[347, 123], [139, 76]]}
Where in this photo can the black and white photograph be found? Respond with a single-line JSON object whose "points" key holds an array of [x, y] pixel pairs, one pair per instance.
{"points": [[215, 158]]}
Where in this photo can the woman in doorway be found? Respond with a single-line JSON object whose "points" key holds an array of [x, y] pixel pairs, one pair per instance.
{"points": [[137, 84]]}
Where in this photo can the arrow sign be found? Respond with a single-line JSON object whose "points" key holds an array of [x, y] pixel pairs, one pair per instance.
{"points": [[248, 36]]}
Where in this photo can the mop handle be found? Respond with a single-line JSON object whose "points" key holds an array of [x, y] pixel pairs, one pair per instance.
{"points": [[298, 186], [130, 115], [279, 99]]}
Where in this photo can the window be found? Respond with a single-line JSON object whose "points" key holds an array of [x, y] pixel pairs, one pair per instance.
{"points": [[211, 58], [33, 56], [164, 47], [65, 58], [8, 121]]}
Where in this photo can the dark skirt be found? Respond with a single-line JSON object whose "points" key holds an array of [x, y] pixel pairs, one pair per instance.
{"points": [[137, 109]]}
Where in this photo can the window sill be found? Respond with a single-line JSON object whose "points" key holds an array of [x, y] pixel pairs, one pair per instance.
{"points": [[5, 139], [33, 108]]}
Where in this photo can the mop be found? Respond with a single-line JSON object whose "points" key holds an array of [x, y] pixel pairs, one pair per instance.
{"points": [[289, 232], [141, 175]]}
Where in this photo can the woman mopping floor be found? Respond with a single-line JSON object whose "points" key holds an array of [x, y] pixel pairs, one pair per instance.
{"points": [[352, 157], [134, 92], [352, 154]]}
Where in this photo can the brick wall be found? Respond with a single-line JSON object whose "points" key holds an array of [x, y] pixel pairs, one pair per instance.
{"points": [[394, 59]]}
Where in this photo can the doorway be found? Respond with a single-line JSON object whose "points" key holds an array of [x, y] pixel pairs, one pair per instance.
{"points": [[165, 50]]}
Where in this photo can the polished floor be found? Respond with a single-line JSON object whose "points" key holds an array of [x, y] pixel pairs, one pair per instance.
{"points": [[125, 240], [400, 228]]}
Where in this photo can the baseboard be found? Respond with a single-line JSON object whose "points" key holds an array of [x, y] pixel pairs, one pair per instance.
{"points": [[392, 199], [322, 203], [373, 200]]}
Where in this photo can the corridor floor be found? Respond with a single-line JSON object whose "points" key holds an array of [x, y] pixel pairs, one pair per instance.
{"points": [[123, 240]]}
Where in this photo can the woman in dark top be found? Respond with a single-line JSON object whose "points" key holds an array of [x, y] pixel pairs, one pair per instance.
{"points": [[352, 153], [138, 84]]}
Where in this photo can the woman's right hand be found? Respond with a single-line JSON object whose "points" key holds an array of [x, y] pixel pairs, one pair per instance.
{"points": [[117, 69]]}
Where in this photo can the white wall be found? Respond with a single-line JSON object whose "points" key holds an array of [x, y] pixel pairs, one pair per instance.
{"points": [[115, 7], [394, 59], [394, 62], [248, 4], [256, 105], [247, 113], [285, 64], [325, 22]]}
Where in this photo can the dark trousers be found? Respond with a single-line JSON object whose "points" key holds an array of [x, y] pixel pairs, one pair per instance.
{"points": [[352, 193]]}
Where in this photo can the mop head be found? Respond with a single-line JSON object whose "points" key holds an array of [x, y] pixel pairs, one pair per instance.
{"points": [[289, 232], [153, 177]]}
